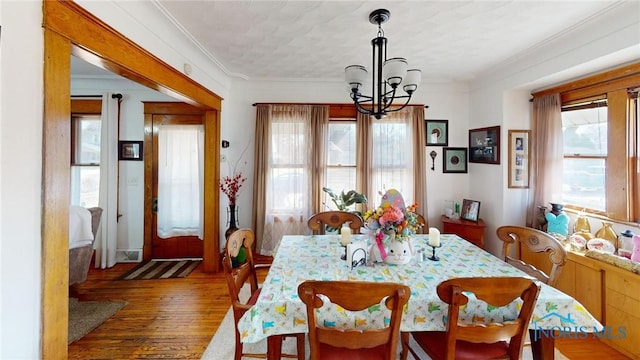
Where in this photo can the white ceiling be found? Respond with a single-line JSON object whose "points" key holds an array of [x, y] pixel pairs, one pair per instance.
{"points": [[448, 40]]}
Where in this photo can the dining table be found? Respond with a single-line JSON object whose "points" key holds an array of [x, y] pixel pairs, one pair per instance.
{"points": [[279, 311]]}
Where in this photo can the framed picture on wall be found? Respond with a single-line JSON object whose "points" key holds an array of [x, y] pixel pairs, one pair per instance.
{"points": [[129, 150], [437, 132], [519, 158], [454, 160], [484, 145]]}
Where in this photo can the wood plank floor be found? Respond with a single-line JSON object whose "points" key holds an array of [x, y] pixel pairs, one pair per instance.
{"points": [[176, 318]]}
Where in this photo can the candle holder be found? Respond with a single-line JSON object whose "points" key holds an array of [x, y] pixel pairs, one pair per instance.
{"points": [[344, 256], [433, 256]]}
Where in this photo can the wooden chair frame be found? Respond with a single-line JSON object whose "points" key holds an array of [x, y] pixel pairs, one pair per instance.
{"points": [[319, 221], [497, 291], [353, 296], [236, 278], [536, 241]]}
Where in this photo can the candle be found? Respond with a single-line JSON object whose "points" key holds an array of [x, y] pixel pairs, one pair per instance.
{"points": [[345, 235], [434, 237]]}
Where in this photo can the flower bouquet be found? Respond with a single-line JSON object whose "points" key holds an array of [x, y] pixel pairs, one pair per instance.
{"points": [[392, 223]]}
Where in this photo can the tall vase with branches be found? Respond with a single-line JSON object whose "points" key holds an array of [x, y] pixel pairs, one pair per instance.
{"points": [[231, 185]]}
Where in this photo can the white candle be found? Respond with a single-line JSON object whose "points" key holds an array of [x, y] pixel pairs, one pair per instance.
{"points": [[434, 237], [345, 235]]}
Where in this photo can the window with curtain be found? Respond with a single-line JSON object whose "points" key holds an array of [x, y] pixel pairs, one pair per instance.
{"points": [[600, 143], [304, 150], [85, 160]]}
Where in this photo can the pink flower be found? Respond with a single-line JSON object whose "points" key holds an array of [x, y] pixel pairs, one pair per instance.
{"points": [[391, 215]]}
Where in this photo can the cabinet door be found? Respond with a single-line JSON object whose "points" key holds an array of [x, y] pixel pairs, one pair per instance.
{"points": [[623, 302], [588, 289]]}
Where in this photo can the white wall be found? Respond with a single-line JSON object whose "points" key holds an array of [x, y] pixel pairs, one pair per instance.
{"points": [[20, 179]]}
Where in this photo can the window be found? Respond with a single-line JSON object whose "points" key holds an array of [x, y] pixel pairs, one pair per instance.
{"points": [[584, 132], [600, 141], [341, 158], [85, 160]]}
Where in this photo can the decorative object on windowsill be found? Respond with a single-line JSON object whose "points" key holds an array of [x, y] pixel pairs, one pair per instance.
{"points": [[581, 224], [231, 185], [625, 243], [433, 155], [387, 76], [557, 220], [542, 220], [606, 232], [392, 224], [635, 253]]}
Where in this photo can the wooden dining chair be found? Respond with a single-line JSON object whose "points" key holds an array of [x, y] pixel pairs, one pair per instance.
{"points": [[319, 221], [240, 272], [479, 341], [328, 341], [537, 242]]}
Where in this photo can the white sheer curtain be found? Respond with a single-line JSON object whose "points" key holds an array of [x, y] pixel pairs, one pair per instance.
{"points": [[288, 202], [392, 152], [106, 239], [180, 180]]}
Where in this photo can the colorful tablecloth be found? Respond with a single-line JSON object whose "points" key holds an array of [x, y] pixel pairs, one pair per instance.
{"points": [[279, 310]]}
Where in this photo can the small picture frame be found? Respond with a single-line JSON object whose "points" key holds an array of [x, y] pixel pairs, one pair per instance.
{"points": [[484, 145], [470, 210], [129, 150], [519, 163], [437, 132], [454, 160]]}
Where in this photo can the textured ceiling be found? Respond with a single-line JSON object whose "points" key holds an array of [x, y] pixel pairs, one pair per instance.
{"points": [[448, 40]]}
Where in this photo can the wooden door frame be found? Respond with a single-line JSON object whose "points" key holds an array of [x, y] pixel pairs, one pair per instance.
{"points": [[71, 30]]}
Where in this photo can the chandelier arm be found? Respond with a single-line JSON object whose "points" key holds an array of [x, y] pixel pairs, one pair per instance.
{"points": [[401, 107]]}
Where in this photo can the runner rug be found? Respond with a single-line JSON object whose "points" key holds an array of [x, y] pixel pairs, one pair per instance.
{"points": [[161, 269]]}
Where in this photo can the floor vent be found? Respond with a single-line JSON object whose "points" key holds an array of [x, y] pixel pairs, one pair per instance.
{"points": [[134, 255]]}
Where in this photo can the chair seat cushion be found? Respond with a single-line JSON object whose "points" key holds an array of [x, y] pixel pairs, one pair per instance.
{"points": [[433, 342], [332, 352]]}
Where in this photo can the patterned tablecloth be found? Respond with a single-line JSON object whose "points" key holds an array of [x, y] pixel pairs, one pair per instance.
{"points": [[299, 258]]}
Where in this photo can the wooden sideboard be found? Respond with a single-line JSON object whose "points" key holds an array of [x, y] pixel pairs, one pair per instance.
{"points": [[611, 294], [471, 231]]}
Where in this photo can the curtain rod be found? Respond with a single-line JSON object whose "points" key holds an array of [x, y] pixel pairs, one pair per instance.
{"points": [[86, 96], [256, 104]]}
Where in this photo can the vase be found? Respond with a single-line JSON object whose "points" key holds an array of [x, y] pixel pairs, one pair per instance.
{"points": [[581, 224], [606, 232], [232, 222], [542, 221]]}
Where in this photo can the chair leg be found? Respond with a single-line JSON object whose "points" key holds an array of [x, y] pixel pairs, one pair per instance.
{"points": [[404, 339], [300, 346], [238, 353]]}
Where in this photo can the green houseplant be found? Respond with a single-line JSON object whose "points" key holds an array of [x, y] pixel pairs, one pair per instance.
{"points": [[344, 201]]}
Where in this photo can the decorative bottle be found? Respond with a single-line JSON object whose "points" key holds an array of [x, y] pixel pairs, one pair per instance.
{"points": [[606, 232]]}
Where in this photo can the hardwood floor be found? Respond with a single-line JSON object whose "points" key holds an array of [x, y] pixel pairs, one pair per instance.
{"points": [[176, 318]]}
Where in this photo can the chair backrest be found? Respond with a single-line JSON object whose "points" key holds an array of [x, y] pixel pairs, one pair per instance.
{"points": [[239, 274], [536, 241], [496, 291], [354, 296], [334, 219]]}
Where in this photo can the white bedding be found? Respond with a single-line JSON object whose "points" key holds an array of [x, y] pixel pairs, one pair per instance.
{"points": [[79, 227]]}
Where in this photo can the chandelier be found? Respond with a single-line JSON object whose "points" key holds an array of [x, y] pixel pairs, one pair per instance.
{"points": [[387, 76]]}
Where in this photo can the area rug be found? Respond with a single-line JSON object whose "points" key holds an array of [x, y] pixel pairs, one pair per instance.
{"points": [[223, 343], [84, 316], [161, 269]]}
